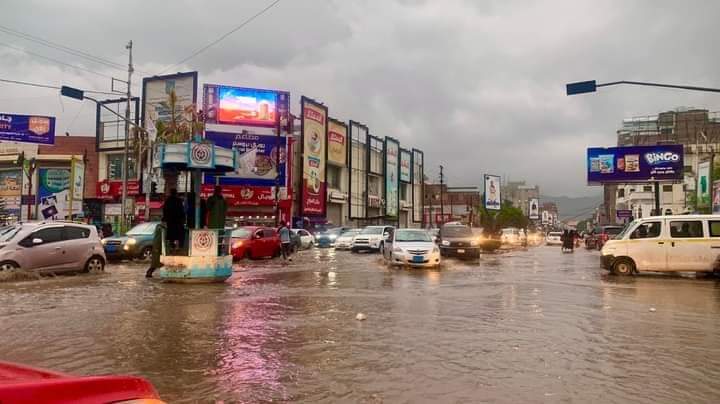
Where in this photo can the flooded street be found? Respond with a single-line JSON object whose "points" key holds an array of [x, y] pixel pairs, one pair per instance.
{"points": [[526, 326]]}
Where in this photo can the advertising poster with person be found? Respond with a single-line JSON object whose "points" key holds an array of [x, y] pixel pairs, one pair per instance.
{"points": [[492, 192], [392, 157], [534, 209], [703, 185], [314, 139]]}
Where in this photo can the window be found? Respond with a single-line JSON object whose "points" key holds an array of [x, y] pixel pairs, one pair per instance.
{"points": [[714, 229], [621, 193], [48, 235], [267, 233], [404, 192], [647, 188], [333, 176], [686, 229], [74, 233], [647, 230], [667, 188], [115, 164]]}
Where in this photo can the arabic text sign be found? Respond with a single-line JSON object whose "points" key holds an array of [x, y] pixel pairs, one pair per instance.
{"points": [[337, 143], [405, 162], [314, 135], [392, 156], [257, 158], [635, 164], [27, 128]]}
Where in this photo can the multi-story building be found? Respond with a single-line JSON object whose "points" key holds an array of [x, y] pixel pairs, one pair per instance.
{"points": [[698, 130], [520, 194]]}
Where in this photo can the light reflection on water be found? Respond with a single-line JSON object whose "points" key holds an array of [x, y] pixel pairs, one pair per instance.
{"points": [[523, 326]]}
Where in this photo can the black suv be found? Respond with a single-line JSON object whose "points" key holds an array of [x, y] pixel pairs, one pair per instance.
{"points": [[457, 240]]}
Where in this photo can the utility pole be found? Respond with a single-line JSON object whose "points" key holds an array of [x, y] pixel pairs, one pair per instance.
{"points": [[442, 205], [123, 213]]}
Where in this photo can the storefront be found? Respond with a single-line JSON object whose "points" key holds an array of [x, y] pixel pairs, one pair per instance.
{"points": [[336, 208], [110, 192], [249, 205]]}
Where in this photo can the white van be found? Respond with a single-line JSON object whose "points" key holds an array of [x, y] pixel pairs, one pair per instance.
{"points": [[665, 243]]}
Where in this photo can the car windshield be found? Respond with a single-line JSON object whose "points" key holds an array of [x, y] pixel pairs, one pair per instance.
{"points": [[412, 235], [241, 233], [509, 231], [7, 233], [372, 230], [143, 228], [350, 233], [456, 231], [555, 234], [613, 230], [624, 231]]}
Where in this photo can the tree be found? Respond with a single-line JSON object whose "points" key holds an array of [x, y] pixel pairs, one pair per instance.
{"points": [[508, 216]]}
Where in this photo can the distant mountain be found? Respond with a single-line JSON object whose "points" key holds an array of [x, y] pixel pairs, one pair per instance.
{"points": [[574, 208]]}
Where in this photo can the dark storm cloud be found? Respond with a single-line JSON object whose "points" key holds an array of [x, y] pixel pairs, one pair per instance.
{"points": [[478, 85]]}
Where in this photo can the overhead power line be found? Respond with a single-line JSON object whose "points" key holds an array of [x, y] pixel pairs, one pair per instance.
{"points": [[204, 48], [54, 60], [63, 48], [25, 83]]}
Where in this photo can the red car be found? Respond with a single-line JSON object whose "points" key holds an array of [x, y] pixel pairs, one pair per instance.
{"points": [[23, 384], [254, 242]]}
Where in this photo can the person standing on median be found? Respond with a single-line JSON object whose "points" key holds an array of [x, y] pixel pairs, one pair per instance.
{"points": [[217, 209], [284, 233]]}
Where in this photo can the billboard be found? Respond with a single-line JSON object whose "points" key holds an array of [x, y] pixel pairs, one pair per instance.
{"points": [[492, 192], [245, 106], [716, 197], [545, 217], [156, 93], [534, 209], [405, 163], [635, 164], [703, 185], [337, 142], [314, 152], [77, 185], [54, 193], [27, 128], [256, 161], [392, 169], [418, 180], [11, 191], [358, 170]]}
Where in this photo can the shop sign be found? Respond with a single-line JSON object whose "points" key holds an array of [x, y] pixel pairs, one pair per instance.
{"points": [[336, 196], [242, 196], [113, 189], [27, 128], [337, 143], [314, 137]]}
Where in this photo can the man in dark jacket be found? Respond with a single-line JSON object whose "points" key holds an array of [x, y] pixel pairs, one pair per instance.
{"points": [[174, 217], [156, 250], [217, 209]]}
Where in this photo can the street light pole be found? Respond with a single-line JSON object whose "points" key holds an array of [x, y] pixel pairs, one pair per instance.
{"points": [[123, 218], [581, 87]]}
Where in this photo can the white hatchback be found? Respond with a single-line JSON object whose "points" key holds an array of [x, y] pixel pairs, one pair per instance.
{"points": [[413, 247]]}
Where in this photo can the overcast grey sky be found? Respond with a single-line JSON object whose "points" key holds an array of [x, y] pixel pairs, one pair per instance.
{"points": [[478, 85]]}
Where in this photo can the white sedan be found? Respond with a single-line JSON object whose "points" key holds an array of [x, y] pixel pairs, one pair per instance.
{"points": [[553, 238], [413, 247]]}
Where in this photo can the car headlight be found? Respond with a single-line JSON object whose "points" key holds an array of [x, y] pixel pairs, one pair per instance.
{"points": [[445, 242], [237, 244], [474, 243], [131, 242], [397, 250], [103, 241], [332, 237]]}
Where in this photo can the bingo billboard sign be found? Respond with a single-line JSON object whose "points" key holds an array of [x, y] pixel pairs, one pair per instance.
{"points": [[635, 164]]}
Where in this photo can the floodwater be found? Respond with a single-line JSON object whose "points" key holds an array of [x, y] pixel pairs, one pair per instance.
{"points": [[526, 326]]}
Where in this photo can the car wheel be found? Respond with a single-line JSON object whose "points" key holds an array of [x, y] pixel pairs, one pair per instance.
{"points": [[311, 245], [381, 248], [95, 264], [623, 266], [146, 254], [248, 255], [8, 266]]}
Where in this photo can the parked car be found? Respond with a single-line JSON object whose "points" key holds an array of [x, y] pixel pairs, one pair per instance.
{"points": [[307, 240], [25, 384], [554, 238], [665, 243], [328, 237], [601, 235], [254, 242], [371, 238], [51, 247], [344, 241], [458, 241], [136, 243], [413, 247]]}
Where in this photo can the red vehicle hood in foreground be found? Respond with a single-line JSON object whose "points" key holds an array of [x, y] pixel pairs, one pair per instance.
{"points": [[23, 384]]}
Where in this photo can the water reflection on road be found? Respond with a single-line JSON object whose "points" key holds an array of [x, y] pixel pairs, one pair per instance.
{"points": [[525, 326]]}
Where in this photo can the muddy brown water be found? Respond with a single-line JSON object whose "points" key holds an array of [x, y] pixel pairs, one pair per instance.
{"points": [[526, 326]]}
